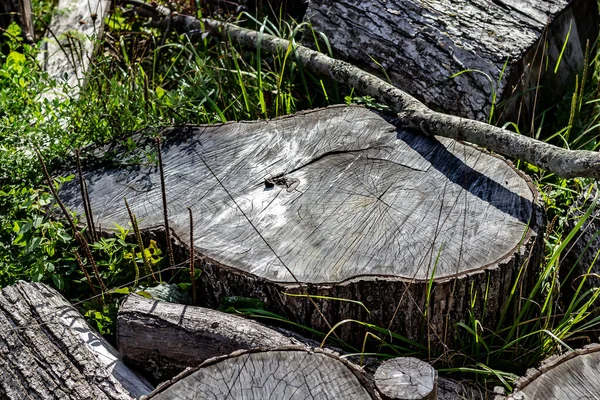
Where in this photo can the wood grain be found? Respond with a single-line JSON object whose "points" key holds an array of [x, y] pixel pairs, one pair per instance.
{"points": [[47, 351], [406, 378], [70, 43], [571, 376], [343, 202], [165, 338], [503, 45]]}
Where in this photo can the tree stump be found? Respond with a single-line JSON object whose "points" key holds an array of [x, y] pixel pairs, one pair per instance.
{"points": [[509, 49], [571, 376], [338, 202], [166, 338], [47, 351], [285, 373]]}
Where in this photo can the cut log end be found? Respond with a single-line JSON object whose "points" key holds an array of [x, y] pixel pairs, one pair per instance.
{"points": [[406, 378], [292, 373]]}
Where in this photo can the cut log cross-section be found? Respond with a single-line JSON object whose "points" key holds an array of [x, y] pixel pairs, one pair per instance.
{"points": [[47, 351], [335, 202]]}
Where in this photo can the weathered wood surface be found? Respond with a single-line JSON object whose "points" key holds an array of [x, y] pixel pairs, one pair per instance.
{"points": [[165, 338], [406, 378], [582, 256], [422, 44], [350, 207], [47, 351], [571, 376], [68, 47], [286, 374], [18, 11]]}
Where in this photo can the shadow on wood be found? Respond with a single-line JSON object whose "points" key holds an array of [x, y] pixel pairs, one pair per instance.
{"points": [[47, 351], [335, 202]]}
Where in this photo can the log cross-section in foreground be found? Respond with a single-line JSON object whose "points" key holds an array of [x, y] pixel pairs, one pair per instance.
{"points": [[353, 208], [285, 373]]}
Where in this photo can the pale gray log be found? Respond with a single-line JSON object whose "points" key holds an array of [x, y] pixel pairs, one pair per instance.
{"points": [[571, 376], [421, 44], [76, 27], [165, 338], [406, 378], [352, 207], [47, 351], [582, 256], [282, 374]]}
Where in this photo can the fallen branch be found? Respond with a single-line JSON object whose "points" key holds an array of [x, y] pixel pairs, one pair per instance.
{"points": [[411, 112]]}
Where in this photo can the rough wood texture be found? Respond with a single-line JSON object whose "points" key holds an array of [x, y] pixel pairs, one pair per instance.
{"points": [[406, 378], [165, 338], [414, 114], [47, 351], [347, 206], [286, 374], [582, 257], [571, 376], [70, 43], [422, 44]]}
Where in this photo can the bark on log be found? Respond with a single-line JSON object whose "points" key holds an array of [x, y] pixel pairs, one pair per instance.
{"points": [[71, 40], [47, 351], [510, 49], [582, 256], [166, 338], [286, 373], [571, 376], [346, 206], [406, 378]]}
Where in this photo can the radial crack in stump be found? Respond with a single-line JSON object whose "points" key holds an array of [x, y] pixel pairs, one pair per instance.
{"points": [[421, 230]]}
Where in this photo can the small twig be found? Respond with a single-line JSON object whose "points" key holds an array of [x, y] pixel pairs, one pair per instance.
{"points": [[192, 260], [164, 204], [83, 243], [87, 276], [87, 207], [138, 237], [90, 257], [50, 183]]}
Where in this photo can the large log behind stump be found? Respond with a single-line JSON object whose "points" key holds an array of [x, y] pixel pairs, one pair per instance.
{"points": [[571, 376], [47, 351], [353, 208], [283, 374], [422, 44], [166, 338]]}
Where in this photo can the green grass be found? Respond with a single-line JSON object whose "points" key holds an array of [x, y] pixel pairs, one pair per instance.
{"points": [[140, 83]]}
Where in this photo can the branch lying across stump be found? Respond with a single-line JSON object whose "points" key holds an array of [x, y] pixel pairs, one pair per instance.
{"points": [[411, 112]]}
